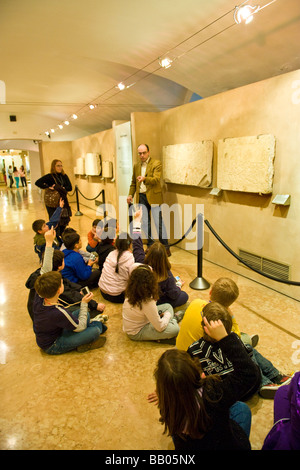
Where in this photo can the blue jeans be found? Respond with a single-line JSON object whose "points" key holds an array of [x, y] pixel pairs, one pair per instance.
{"points": [[149, 333], [90, 249], [268, 371], [241, 414], [70, 340], [156, 213]]}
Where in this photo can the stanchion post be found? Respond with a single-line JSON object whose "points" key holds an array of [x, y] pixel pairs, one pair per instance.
{"points": [[77, 201], [103, 202], [199, 283]]}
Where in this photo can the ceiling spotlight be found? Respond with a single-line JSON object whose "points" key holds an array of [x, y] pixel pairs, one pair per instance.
{"points": [[245, 13], [67, 123], [91, 106], [166, 62], [60, 126], [52, 130], [74, 116], [47, 133], [121, 86]]}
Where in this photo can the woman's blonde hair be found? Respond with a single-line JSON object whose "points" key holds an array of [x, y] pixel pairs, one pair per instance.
{"points": [[53, 165]]}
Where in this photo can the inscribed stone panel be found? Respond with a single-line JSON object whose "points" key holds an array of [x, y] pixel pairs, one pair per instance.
{"points": [[189, 164], [246, 164]]}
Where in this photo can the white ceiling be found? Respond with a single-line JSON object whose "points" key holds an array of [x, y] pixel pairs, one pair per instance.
{"points": [[58, 56]]}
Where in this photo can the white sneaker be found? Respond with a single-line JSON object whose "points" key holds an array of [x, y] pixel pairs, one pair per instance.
{"points": [[101, 317]]}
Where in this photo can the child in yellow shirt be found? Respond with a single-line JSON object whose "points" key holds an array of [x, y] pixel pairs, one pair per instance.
{"points": [[225, 292]]}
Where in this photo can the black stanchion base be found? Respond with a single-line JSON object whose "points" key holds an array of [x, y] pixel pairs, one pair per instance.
{"points": [[199, 283], [79, 213]]}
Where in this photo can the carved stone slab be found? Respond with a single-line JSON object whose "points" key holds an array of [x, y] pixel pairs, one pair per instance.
{"points": [[189, 164], [246, 164]]}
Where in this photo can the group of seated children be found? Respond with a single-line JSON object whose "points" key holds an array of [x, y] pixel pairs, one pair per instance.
{"points": [[203, 383], [57, 328], [67, 271]]}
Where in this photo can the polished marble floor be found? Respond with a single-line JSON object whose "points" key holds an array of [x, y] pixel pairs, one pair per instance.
{"points": [[97, 400]]}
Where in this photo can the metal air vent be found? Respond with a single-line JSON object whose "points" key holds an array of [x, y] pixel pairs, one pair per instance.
{"points": [[265, 265]]}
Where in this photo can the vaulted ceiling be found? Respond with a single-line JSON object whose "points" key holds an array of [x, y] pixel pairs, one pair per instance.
{"points": [[57, 57]]}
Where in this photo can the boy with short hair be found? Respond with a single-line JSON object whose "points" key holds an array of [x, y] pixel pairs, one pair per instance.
{"points": [[224, 291], [75, 268], [213, 362], [92, 236], [208, 351], [57, 330], [40, 227]]}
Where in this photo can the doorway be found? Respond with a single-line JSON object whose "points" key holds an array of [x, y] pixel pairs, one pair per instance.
{"points": [[14, 159]]}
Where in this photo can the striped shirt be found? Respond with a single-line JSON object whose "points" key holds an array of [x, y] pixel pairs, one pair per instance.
{"points": [[50, 321]]}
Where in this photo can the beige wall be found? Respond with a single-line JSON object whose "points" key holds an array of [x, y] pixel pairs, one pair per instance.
{"points": [[243, 220], [102, 143]]}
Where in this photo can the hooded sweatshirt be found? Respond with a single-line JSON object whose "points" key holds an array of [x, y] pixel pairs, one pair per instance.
{"points": [[75, 268]]}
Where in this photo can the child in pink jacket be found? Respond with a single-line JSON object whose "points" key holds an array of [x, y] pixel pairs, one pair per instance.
{"points": [[116, 270]]}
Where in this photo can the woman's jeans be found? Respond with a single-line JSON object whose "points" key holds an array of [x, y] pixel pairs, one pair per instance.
{"points": [[149, 333], [70, 340]]}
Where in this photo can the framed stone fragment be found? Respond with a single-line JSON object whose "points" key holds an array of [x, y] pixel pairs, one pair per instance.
{"points": [[246, 164], [189, 164]]}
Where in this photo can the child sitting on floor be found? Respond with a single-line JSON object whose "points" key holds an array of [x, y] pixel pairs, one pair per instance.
{"points": [[213, 362], [156, 257], [116, 270], [75, 268], [225, 292], [57, 330], [92, 236], [143, 320], [106, 245], [40, 227]]}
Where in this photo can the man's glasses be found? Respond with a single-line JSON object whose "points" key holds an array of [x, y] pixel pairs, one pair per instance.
{"points": [[142, 153]]}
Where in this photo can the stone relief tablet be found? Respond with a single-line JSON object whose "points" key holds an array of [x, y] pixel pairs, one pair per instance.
{"points": [[246, 164], [189, 164]]}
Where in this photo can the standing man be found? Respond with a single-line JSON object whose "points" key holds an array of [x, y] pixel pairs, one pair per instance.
{"points": [[10, 175], [146, 185]]}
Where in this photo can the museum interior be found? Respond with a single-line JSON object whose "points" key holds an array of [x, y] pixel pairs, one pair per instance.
{"points": [[222, 117]]}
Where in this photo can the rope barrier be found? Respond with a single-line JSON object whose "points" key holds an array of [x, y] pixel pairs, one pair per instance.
{"points": [[77, 190], [293, 283], [89, 199]]}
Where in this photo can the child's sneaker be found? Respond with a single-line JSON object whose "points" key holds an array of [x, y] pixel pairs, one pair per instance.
{"points": [[269, 390], [101, 317], [179, 315], [282, 379], [254, 340]]}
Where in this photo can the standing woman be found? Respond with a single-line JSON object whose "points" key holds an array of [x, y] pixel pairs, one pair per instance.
{"points": [[56, 185], [16, 176]]}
